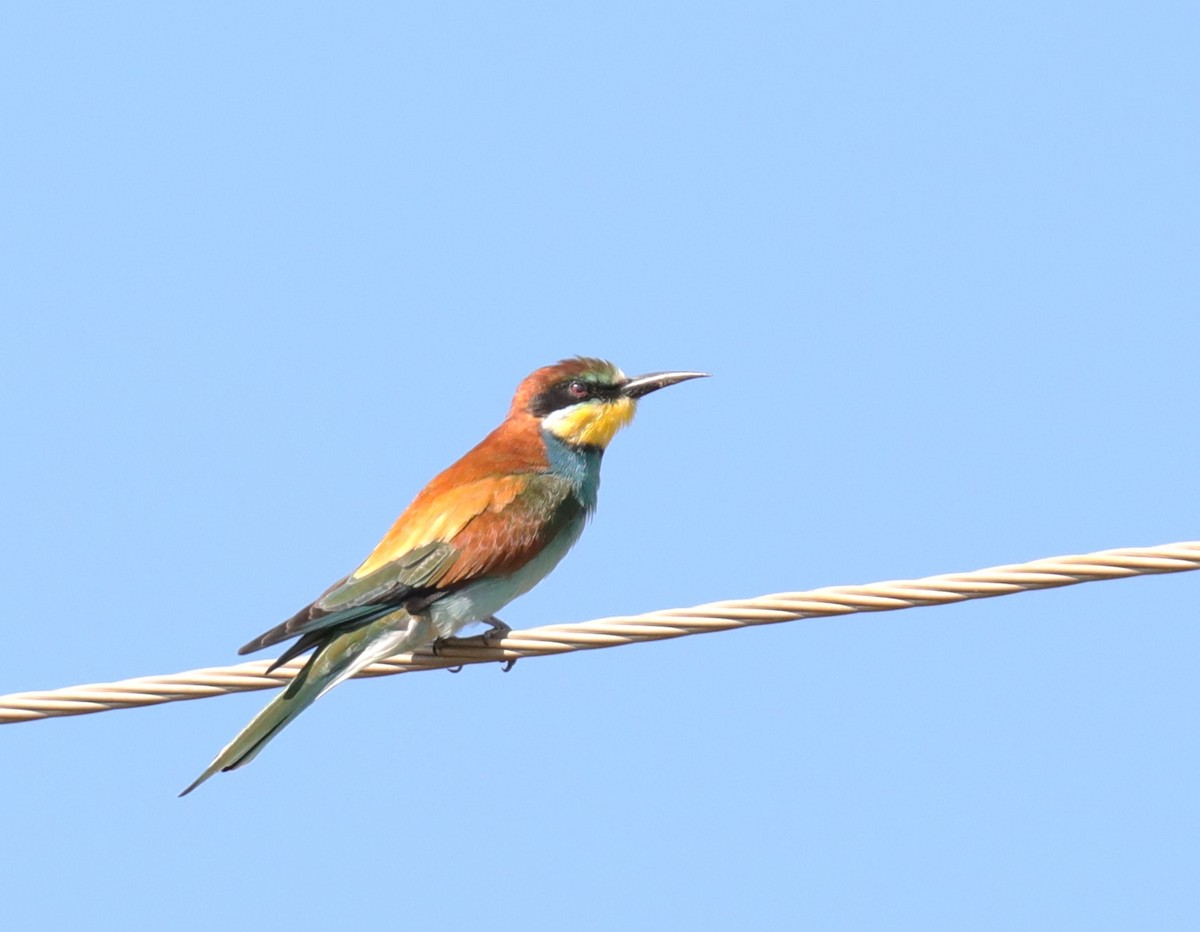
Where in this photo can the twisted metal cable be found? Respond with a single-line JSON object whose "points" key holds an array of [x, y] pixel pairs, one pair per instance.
{"points": [[630, 629]]}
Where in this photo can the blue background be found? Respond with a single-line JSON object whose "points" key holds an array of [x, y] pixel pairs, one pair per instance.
{"points": [[269, 267]]}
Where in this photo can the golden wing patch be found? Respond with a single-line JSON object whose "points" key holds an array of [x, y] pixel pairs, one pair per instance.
{"points": [[442, 518]]}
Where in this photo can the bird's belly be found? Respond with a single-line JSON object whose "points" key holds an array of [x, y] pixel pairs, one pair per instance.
{"points": [[485, 597]]}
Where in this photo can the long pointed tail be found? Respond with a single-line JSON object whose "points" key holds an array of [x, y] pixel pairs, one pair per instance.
{"points": [[331, 663], [298, 696]]}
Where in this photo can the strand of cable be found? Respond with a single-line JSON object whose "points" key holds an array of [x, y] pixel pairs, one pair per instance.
{"points": [[631, 629]]}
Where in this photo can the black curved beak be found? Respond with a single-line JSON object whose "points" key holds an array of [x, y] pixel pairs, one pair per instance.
{"points": [[641, 385]]}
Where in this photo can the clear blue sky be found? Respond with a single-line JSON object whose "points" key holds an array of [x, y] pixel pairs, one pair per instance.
{"points": [[269, 267]]}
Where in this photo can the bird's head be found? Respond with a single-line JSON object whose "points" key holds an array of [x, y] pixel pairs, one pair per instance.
{"points": [[584, 402]]}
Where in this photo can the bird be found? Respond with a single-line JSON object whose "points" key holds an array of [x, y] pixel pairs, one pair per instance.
{"points": [[484, 531]]}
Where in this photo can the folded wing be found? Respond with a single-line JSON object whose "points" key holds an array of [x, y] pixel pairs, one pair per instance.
{"points": [[488, 527]]}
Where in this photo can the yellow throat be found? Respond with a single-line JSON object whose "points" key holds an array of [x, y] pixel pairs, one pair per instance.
{"points": [[592, 423]]}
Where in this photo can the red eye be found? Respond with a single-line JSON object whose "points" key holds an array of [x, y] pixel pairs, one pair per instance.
{"points": [[578, 389]]}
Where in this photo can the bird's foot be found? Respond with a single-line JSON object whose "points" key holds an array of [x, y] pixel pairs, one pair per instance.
{"points": [[436, 649], [496, 631]]}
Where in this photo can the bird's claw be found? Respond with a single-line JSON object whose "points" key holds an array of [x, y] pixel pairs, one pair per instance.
{"points": [[497, 632], [436, 649]]}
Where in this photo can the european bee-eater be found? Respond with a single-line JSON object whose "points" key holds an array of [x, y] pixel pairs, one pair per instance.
{"points": [[483, 532]]}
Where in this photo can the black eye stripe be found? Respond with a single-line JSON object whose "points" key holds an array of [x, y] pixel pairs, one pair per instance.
{"points": [[560, 396]]}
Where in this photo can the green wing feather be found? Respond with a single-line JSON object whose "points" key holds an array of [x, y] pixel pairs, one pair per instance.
{"points": [[360, 600]]}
